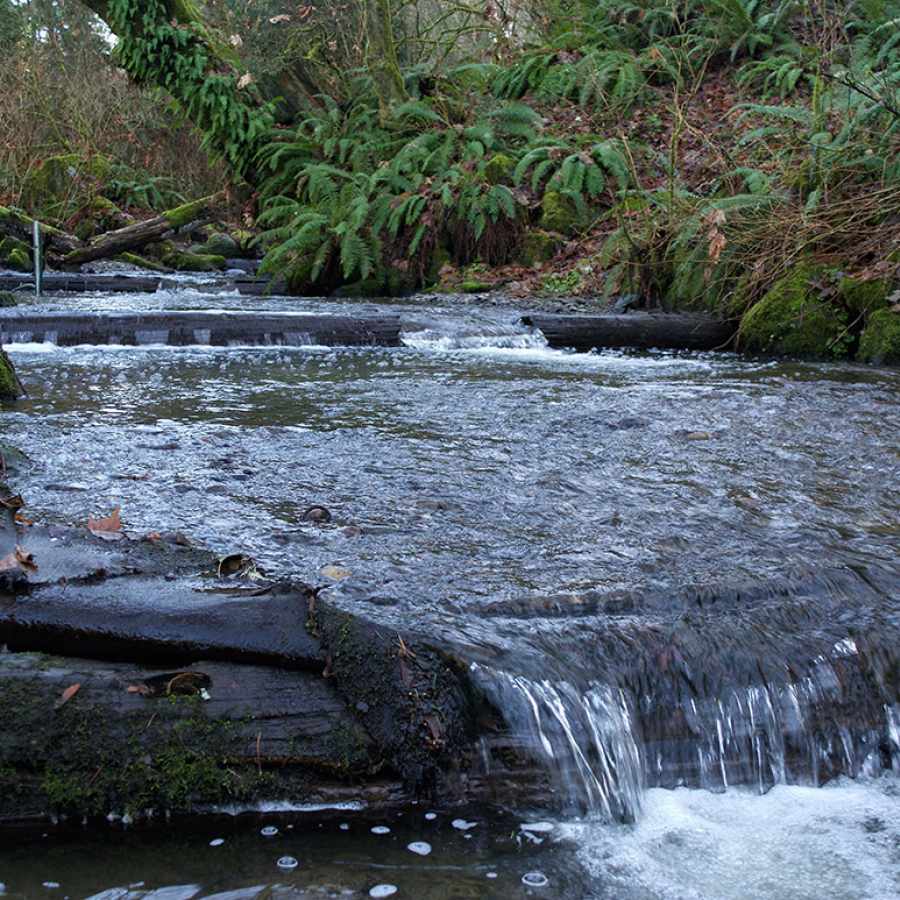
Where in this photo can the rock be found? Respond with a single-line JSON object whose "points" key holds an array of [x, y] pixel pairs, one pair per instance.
{"points": [[795, 319], [499, 168], [220, 244], [880, 341], [864, 297], [15, 254], [195, 262], [133, 259], [558, 213], [539, 247], [9, 383]]}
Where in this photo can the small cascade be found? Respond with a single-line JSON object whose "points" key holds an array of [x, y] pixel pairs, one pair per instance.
{"points": [[452, 334], [710, 702], [586, 738]]}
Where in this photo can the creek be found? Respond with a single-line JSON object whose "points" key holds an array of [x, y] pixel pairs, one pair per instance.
{"points": [[676, 575]]}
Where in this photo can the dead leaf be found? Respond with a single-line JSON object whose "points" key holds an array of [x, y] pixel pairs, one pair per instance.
{"points": [[19, 560], [15, 502], [141, 689], [335, 573], [109, 528], [245, 80], [67, 695]]}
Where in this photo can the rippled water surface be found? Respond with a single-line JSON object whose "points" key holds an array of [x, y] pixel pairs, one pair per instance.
{"points": [[477, 478]]}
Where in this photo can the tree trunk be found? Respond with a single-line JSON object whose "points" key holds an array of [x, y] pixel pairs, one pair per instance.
{"points": [[381, 56]]}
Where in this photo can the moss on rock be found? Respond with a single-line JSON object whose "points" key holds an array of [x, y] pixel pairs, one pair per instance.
{"points": [[539, 247], [220, 244], [7, 299], [134, 259], [194, 262], [15, 254], [864, 297], [9, 383], [558, 213], [792, 319], [880, 341], [499, 168]]}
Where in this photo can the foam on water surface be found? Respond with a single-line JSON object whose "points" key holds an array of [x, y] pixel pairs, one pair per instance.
{"points": [[840, 842]]}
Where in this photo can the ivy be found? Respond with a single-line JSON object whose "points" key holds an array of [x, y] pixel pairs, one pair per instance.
{"points": [[155, 48]]}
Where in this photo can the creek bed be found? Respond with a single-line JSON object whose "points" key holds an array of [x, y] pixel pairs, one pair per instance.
{"points": [[488, 490]]}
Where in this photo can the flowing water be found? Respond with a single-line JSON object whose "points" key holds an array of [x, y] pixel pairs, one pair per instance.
{"points": [[674, 574]]}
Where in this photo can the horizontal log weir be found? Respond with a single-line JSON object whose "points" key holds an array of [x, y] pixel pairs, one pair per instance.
{"points": [[192, 328], [643, 331], [246, 285]]}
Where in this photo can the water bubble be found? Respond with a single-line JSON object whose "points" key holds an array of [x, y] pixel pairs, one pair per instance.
{"points": [[462, 824], [430, 816], [538, 827], [383, 890], [50, 885], [344, 826], [268, 831], [421, 847], [287, 862], [217, 842], [491, 875], [535, 879], [381, 829]]}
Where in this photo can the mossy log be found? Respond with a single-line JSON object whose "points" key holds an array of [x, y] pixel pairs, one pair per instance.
{"points": [[189, 328], [644, 331], [134, 237]]}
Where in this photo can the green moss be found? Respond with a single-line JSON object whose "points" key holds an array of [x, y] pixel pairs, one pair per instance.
{"points": [[9, 384], [499, 168], [195, 262], [134, 259], [220, 244], [880, 341], [475, 287], [864, 297], [558, 213], [792, 319], [563, 283], [539, 247], [15, 254], [186, 213], [7, 299]]}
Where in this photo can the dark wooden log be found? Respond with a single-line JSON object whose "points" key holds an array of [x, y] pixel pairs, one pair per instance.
{"points": [[131, 739], [81, 284], [643, 331], [138, 235], [190, 328], [56, 243]]}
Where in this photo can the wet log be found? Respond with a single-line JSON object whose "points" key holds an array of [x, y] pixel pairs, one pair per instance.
{"points": [[191, 328], [16, 224], [128, 739], [643, 331], [80, 284], [136, 236]]}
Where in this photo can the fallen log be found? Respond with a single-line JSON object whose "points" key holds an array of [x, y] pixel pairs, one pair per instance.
{"points": [[191, 328], [134, 237], [16, 224], [643, 331]]}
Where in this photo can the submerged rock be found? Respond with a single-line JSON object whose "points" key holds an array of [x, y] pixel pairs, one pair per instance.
{"points": [[880, 342]]}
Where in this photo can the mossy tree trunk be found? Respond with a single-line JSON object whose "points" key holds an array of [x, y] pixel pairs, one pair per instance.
{"points": [[381, 56]]}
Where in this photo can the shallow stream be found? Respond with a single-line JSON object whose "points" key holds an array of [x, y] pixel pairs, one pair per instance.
{"points": [[497, 493]]}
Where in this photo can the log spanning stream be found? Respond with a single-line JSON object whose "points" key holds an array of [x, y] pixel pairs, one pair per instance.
{"points": [[672, 582]]}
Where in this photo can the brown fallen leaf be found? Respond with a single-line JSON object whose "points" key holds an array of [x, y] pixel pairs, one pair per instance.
{"points": [[18, 561], [15, 502], [335, 573], [108, 528], [67, 695], [141, 689], [23, 520]]}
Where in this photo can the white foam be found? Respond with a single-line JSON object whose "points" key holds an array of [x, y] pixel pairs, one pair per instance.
{"points": [[794, 843]]}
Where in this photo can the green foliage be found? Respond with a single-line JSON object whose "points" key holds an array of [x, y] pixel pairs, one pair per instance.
{"points": [[155, 49], [128, 187]]}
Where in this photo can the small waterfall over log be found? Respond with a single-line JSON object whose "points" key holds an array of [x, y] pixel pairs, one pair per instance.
{"points": [[794, 683]]}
